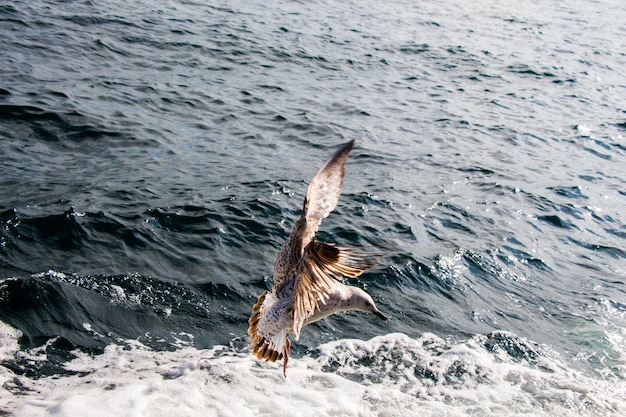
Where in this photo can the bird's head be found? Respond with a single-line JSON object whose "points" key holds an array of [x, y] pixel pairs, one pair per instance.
{"points": [[362, 301]]}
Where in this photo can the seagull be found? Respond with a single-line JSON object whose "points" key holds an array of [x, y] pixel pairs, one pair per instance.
{"points": [[307, 274]]}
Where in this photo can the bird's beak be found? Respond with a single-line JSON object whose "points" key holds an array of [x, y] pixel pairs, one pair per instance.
{"points": [[379, 315]]}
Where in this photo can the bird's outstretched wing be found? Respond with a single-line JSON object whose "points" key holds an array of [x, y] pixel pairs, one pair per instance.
{"points": [[321, 264], [324, 190], [321, 198]]}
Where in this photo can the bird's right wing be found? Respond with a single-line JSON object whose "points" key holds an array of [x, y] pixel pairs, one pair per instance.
{"points": [[321, 198], [324, 190]]}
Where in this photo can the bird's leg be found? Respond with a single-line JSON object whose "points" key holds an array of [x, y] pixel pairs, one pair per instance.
{"points": [[286, 355]]}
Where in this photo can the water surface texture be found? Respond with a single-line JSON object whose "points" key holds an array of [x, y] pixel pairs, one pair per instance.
{"points": [[154, 156]]}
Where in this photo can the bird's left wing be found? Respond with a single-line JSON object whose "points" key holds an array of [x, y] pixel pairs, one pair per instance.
{"points": [[319, 268]]}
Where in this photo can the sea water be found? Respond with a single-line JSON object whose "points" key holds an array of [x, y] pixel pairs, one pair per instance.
{"points": [[154, 156]]}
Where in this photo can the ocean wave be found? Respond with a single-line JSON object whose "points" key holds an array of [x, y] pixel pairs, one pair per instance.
{"points": [[495, 374], [58, 313], [53, 126]]}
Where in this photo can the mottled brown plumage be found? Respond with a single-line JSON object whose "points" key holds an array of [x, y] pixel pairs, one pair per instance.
{"points": [[306, 281]]}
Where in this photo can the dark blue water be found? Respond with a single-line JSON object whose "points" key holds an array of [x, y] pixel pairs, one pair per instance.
{"points": [[153, 158]]}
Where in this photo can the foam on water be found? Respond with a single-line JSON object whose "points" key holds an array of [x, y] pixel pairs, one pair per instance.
{"points": [[8, 341], [495, 374]]}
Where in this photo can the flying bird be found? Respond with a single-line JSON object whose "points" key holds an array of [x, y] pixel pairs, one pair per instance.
{"points": [[307, 274]]}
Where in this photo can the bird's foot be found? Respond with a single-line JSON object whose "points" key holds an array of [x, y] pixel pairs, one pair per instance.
{"points": [[286, 355]]}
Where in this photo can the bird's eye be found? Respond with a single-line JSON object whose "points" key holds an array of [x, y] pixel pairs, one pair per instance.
{"points": [[367, 304]]}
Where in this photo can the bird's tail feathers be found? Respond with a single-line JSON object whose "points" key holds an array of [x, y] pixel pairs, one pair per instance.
{"points": [[268, 348]]}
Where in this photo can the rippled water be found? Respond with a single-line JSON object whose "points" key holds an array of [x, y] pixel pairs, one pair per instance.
{"points": [[155, 155]]}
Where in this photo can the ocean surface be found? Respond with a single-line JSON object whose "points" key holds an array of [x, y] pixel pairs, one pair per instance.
{"points": [[154, 156]]}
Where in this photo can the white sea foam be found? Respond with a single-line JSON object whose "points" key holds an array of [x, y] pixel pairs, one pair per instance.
{"points": [[8, 341], [391, 375], [8, 349]]}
